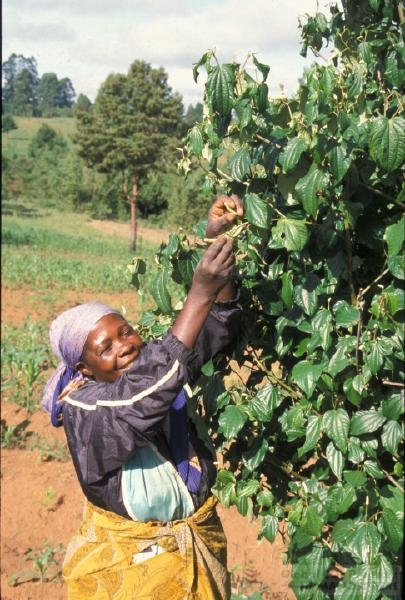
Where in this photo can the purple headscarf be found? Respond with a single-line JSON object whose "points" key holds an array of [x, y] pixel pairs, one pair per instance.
{"points": [[68, 334]]}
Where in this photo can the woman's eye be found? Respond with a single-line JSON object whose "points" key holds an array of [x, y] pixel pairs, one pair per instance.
{"points": [[105, 350], [127, 332]]}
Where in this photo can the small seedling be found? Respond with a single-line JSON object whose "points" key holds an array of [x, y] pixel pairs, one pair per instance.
{"points": [[46, 565]]}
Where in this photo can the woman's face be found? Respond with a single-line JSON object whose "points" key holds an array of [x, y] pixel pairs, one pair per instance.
{"points": [[110, 349]]}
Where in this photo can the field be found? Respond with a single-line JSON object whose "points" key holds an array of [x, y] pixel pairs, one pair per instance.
{"points": [[50, 262], [17, 140]]}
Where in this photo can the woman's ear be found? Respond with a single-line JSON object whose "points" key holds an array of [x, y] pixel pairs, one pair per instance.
{"points": [[84, 369]]}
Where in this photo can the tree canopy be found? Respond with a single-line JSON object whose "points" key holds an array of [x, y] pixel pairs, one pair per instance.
{"points": [[129, 127], [24, 93]]}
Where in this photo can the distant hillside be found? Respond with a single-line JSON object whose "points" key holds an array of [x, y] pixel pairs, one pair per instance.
{"points": [[17, 140]]}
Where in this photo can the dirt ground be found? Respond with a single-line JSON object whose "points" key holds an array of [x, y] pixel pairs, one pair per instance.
{"points": [[41, 502]]}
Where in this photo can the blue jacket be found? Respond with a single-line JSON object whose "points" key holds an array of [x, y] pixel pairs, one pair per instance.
{"points": [[112, 425]]}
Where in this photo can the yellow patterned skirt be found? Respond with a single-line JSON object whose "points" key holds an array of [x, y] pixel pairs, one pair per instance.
{"points": [[101, 561]]}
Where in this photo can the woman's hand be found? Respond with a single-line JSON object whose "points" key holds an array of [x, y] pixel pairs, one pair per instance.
{"points": [[212, 275], [214, 269], [222, 215]]}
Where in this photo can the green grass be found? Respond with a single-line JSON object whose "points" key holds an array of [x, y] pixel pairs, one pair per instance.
{"points": [[63, 252], [18, 140]]}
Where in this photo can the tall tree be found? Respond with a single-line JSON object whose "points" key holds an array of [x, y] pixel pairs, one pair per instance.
{"points": [[48, 93], [11, 70], [25, 94], [83, 103], [127, 132], [66, 93]]}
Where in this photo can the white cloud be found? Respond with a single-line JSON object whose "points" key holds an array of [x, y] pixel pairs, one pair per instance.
{"points": [[86, 40]]}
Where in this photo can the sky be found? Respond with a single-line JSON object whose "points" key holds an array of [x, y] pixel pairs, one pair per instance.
{"points": [[86, 40]]}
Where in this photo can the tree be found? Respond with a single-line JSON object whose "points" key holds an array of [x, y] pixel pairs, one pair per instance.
{"points": [[12, 70], [8, 123], [25, 94], [193, 115], [309, 419], [48, 93], [128, 129], [67, 94], [83, 103], [47, 139]]}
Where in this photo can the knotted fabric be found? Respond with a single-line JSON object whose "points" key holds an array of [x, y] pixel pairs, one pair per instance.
{"points": [[100, 561], [68, 334], [179, 443]]}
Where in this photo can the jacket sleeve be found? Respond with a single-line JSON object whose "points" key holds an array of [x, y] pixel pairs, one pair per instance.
{"points": [[106, 422]]}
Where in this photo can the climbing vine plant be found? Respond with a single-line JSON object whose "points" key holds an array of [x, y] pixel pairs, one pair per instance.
{"points": [[307, 409]]}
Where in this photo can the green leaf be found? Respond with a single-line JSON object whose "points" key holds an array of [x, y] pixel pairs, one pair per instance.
{"points": [[311, 521], [311, 188], [291, 234], [313, 566], [231, 421], [387, 142], [393, 407], [343, 532], [394, 236], [306, 299], [306, 375], [159, 291], [269, 528], [291, 154], [375, 357], [265, 498], [208, 368], [225, 487], [262, 97], [265, 402], [345, 314], [247, 488], [391, 436], [383, 571], [254, 457], [313, 431], [371, 467], [339, 162], [366, 421], [396, 265], [335, 459], [195, 141], [220, 87], [365, 542], [355, 453], [256, 210], [264, 69], [204, 60], [360, 583], [239, 164], [393, 529], [340, 499], [287, 289], [355, 478], [336, 423]]}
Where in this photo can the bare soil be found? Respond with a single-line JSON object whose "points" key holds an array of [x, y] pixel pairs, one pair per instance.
{"points": [[41, 501]]}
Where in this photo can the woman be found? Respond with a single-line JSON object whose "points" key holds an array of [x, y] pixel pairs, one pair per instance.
{"points": [[150, 528]]}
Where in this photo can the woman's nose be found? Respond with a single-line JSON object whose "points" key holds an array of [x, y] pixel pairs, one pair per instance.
{"points": [[125, 348]]}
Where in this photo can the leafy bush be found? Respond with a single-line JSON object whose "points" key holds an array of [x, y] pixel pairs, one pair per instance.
{"points": [[310, 419]]}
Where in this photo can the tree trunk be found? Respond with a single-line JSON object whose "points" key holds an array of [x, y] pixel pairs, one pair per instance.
{"points": [[133, 204]]}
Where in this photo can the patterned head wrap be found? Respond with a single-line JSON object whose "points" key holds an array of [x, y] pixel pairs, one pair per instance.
{"points": [[68, 334]]}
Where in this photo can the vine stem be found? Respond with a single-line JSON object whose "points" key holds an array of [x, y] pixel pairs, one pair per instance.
{"points": [[274, 379], [394, 384], [390, 478], [224, 175], [363, 292]]}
